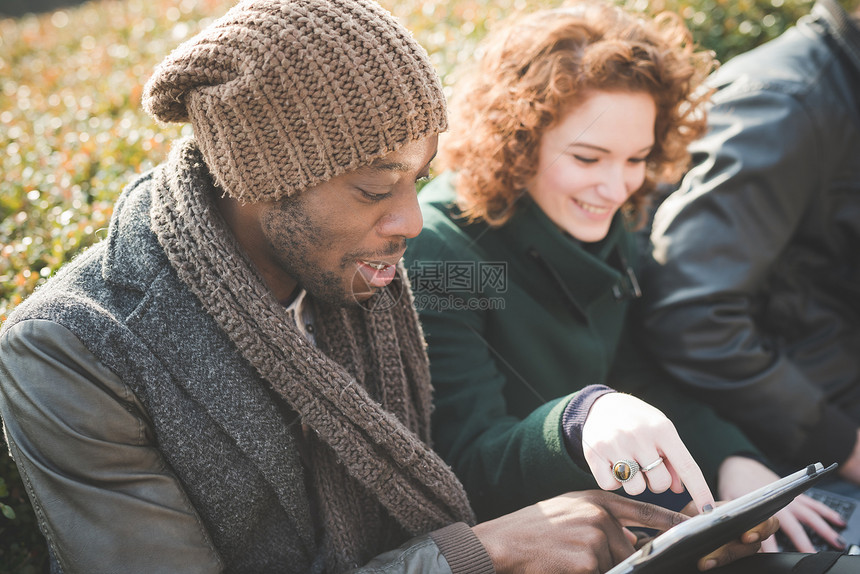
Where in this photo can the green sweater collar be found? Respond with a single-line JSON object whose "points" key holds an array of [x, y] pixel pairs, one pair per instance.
{"points": [[544, 257], [586, 273]]}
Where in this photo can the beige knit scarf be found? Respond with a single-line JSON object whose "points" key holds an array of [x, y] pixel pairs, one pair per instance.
{"points": [[365, 392]]}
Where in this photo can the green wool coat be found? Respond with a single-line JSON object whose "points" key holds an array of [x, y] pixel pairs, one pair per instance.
{"points": [[517, 320]]}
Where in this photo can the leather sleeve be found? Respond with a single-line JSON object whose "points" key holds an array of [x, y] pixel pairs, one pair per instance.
{"points": [[103, 495], [714, 241], [454, 549]]}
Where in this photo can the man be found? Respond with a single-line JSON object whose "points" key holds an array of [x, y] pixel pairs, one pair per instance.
{"points": [[754, 295], [235, 380]]}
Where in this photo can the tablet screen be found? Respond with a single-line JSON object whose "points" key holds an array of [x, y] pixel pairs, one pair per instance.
{"points": [[681, 547]]}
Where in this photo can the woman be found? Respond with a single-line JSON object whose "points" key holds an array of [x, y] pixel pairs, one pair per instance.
{"points": [[525, 273]]}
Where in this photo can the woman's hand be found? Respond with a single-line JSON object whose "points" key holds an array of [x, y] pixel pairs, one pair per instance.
{"points": [[739, 475], [622, 427]]}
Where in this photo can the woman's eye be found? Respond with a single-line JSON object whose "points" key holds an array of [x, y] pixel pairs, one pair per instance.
{"points": [[638, 159], [584, 159]]}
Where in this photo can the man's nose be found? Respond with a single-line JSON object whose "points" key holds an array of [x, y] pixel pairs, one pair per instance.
{"points": [[405, 220]]}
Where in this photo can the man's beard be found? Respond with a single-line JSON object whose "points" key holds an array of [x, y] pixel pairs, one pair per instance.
{"points": [[294, 253], [295, 248]]}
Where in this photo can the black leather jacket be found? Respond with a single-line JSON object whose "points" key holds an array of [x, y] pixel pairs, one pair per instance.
{"points": [[753, 296]]}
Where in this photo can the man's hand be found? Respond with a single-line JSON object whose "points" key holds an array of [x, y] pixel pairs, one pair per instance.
{"points": [[578, 532], [585, 533], [748, 544]]}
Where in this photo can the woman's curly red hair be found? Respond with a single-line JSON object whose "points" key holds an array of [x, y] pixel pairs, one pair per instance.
{"points": [[536, 67]]}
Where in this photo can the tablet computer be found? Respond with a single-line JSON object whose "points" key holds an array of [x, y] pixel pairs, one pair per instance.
{"points": [[683, 545]]}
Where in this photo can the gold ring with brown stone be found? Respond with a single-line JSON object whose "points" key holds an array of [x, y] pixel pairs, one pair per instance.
{"points": [[625, 470]]}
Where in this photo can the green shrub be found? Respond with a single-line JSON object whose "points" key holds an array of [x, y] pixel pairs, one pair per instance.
{"points": [[22, 548], [72, 133]]}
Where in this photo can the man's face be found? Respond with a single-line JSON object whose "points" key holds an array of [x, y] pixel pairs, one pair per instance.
{"points": [[341, 239]]}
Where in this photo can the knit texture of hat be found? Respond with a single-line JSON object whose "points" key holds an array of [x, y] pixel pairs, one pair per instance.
{"points": [[287, 94]]}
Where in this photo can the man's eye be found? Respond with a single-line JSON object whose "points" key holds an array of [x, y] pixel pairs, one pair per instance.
{"points": [[373, 196]]}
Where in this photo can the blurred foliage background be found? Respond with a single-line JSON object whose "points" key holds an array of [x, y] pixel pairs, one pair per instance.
{"points": [[72, 134]]}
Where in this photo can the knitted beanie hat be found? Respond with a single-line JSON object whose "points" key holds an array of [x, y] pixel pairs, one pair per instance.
{"points": [[286, 94]]}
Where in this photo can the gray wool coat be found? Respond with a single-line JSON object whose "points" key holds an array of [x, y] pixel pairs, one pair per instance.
{"points": [[147, 443]]}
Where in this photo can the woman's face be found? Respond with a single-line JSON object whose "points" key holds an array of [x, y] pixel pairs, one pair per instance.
{"points": [[592, 160]]}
